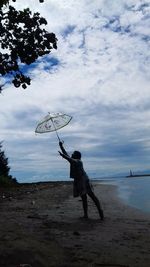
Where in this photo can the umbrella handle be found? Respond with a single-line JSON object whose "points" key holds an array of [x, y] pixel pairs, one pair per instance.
{"points": [[56, 131], [57, 136]]}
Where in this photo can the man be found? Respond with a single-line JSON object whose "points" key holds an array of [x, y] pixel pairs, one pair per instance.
{"points": [[81, 184]]}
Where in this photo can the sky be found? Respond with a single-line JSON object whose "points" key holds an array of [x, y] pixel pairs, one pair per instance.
{"points": [[100, 75]]}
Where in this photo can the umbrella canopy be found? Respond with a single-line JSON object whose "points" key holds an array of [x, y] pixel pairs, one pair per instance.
{"points": [[53, 122]]}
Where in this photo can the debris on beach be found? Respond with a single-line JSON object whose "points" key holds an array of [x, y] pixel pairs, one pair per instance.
{"points": [[76, 233], [25, 265]]}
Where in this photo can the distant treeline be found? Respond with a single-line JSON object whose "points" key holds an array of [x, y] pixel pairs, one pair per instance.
{"points": [[5, 178]]}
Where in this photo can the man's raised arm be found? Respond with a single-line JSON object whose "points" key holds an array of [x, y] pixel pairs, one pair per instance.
{"points": [[62, 148]]}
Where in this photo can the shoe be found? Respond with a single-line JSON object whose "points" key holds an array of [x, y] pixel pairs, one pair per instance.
{"points": [[84, 217]]}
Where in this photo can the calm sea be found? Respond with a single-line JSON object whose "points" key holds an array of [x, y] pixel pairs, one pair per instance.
{"points": [[134, 191]]}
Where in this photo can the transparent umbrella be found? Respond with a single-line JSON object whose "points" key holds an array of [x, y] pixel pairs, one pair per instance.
{"points": [[53, 122]]}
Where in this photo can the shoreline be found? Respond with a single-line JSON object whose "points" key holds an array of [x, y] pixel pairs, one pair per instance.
{"points": [[40, 226], [131, 197]]}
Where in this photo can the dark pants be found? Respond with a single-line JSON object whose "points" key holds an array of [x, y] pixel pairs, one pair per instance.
{"points": [[96, 202]]}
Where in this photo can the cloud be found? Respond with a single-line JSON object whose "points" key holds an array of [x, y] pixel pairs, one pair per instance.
{"points": [[100, 75]]}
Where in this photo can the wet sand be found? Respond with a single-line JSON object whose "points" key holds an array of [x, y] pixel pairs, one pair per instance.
{"points": [[40, 226]]}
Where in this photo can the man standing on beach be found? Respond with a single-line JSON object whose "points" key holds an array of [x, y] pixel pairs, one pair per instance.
{"points": [[81, 184]]}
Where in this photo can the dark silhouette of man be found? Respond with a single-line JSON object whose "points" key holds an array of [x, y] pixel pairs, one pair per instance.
{"points": [[81, 184]]}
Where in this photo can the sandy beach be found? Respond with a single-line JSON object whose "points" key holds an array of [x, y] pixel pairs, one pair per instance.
{"points": [[40, 226]]}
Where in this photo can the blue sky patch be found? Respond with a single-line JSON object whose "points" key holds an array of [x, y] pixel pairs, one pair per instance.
{"points": [[68, 30], [49, 62]]}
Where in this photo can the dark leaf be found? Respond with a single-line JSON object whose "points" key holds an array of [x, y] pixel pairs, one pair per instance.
{"points": [[24, 86]]}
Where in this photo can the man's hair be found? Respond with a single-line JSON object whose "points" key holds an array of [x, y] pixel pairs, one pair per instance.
{"points": [[78, 154]]}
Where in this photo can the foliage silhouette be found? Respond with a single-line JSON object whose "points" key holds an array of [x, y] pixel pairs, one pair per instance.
{"points": [[23, 41], [4, 168], [5, 177]]}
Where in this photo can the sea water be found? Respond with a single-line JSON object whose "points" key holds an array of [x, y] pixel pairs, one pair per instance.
{"points": [[135, 191]]}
